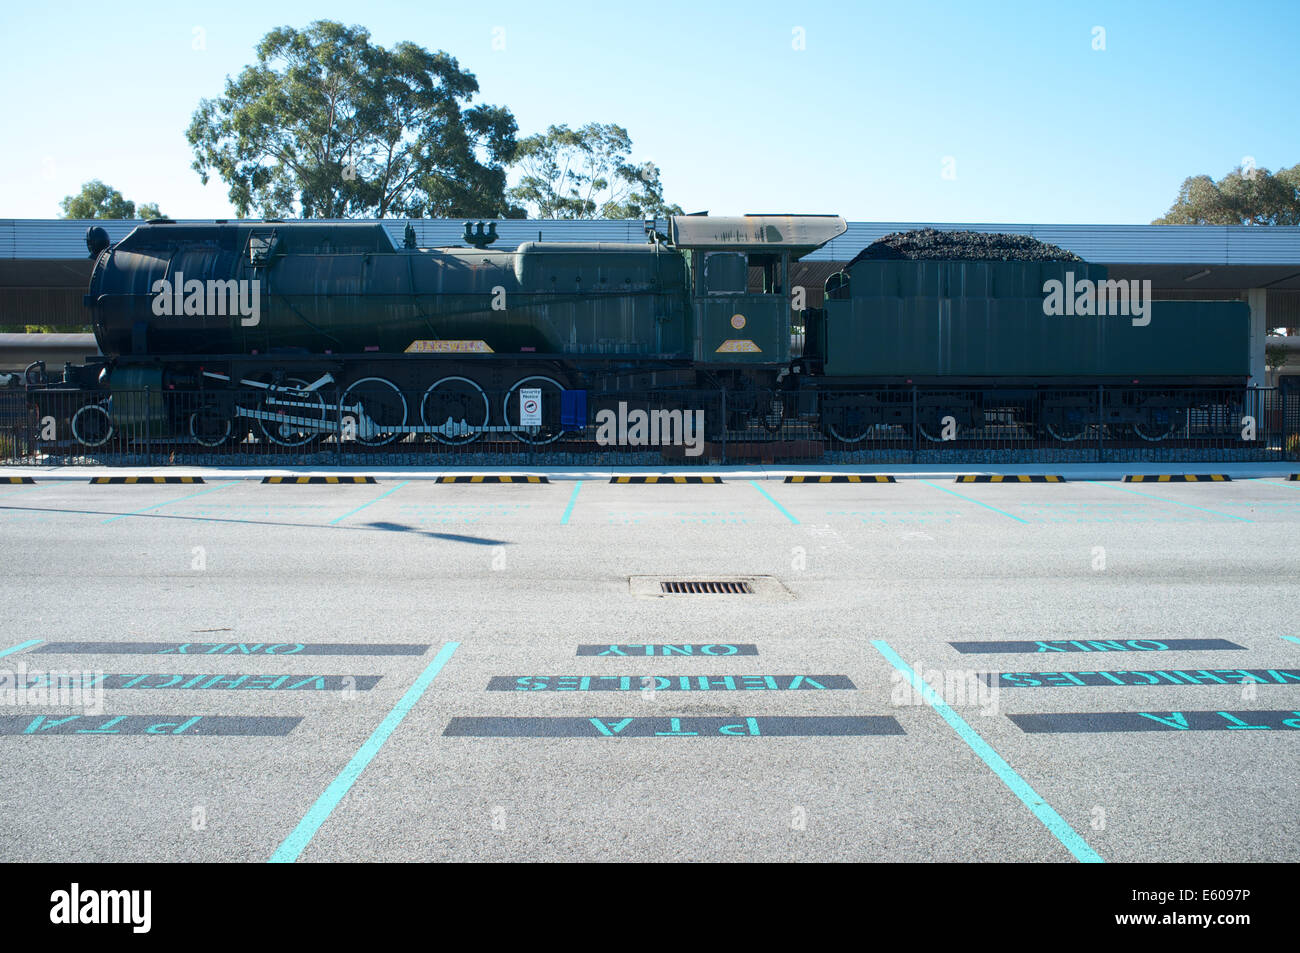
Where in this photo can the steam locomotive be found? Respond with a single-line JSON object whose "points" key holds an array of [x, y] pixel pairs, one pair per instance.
{"points": [[287, 331]]}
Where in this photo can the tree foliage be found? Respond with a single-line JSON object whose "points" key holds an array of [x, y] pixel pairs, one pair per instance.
{"points": [[97, 200], [327, 124], [586, 173], [1245, 196]]}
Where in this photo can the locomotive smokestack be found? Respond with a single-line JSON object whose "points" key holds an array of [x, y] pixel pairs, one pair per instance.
{"points": [[96, 240]]}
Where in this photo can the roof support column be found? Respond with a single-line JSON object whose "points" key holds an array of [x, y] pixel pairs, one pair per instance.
{"points": [[1257, 298]]}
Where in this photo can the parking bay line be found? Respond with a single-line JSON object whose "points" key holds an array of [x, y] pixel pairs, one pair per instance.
{"points": [[20, 646], [970, 499], [1057, 825], [784, 512], [364, 505], [179, 499], [1171, 502], [297, 841], [568, 510]]}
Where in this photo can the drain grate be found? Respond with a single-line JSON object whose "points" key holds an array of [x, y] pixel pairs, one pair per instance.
{"points": [[691, 587]]}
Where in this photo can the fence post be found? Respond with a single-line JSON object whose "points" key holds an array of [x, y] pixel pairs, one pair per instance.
{"points": [[148, 431], [338, 424], [723, 392], [1101, 403], [915, 419]]}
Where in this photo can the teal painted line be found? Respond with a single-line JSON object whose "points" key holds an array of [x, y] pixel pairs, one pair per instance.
{"points": [[30, 642], [1289, 486], [784, 512], [179, 499], [22, 489], [969, 499], [371, 503], [1162, 499], [289, 851], [1289, 638], [1063, 832], [568, 510]]}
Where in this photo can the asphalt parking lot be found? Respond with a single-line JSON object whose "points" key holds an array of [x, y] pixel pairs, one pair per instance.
{"points": [[409, 670]]}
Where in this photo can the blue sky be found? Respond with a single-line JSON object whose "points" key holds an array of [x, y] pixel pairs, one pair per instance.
{"points": [[1040, 127]]}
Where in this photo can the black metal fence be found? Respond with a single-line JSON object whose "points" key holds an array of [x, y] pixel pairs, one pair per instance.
{"points": [[462, 425]]}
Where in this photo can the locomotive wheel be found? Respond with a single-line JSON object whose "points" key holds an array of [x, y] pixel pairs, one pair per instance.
{"points": [[92, 426], [209, 427], [773, 415], [382, 402], [1153, 431], [458, 399], [289, 435], [1067, 432], [550, 430]]}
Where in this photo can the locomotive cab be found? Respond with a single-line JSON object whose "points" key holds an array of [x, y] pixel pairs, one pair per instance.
{"points": [[735, 323]]}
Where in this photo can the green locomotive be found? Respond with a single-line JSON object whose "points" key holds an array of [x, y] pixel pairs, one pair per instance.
{"points": [[283, 329]]}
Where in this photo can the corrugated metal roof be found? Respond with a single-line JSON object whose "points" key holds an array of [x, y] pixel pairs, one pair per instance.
{"points": [[1105, 244]]}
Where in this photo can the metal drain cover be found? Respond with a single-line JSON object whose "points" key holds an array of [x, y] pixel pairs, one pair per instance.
{"points": [[695, 585]]}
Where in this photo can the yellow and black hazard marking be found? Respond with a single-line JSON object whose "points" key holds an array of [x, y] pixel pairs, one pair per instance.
{"points": [[842, 478], [665, 479], [147, 479], [1294, 476], [319, 479], [1178, 478], [1010, 478], [6, 481], [492, 479]]}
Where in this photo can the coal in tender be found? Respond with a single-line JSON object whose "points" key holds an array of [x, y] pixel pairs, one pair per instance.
{"points": [[933, 244]]}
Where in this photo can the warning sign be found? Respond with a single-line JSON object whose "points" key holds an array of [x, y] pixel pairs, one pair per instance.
{"points": [[530, 406]]}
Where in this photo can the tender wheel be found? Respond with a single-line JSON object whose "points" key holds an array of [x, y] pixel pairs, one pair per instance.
{"points": [[846, 424], [209, 427], [92, 426], [1155, 429], [293, 408], [459, 400], [550, 430], [382, 410]]}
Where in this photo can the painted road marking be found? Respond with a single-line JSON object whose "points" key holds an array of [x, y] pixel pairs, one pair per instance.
{"points": [[45, 486], [1104, 645], [619, 726], [1291, 638], [319, 812], [1055, 824], [25, 680], [972, 500], [1234, 676], [568, 510], [337, 520], [667, 683], [227, 648], [632, 648], [207, 725], [784, 512], [1116, 721], [179, 499], [1162, 499], [19, 647]]}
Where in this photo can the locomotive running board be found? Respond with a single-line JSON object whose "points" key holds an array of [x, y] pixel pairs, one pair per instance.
{"points": [[365, 427]]}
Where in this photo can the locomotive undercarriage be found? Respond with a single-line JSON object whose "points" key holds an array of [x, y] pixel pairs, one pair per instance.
{"points": [[373, 400]]}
